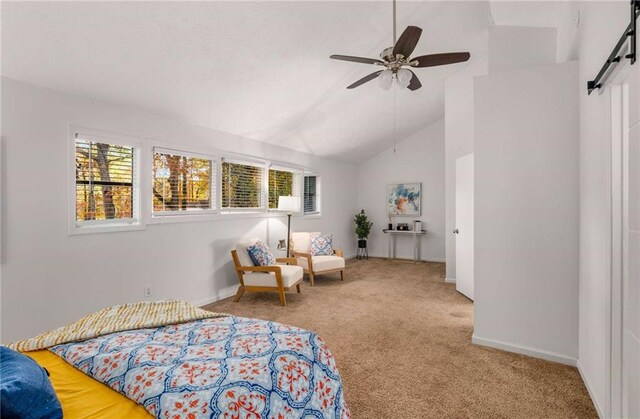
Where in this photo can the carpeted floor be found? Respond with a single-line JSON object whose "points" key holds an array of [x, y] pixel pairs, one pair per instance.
{"points": [[402, 340]]}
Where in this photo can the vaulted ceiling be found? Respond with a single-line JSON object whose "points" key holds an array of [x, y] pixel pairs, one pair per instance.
{"points": [[257, 69]]}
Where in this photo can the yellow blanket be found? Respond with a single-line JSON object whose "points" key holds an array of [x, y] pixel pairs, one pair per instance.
{"points": [[117, 319], [81, 396]]}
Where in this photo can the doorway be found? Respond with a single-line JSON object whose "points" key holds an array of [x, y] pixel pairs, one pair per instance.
{"points": [[465, 225], [624, 302]]}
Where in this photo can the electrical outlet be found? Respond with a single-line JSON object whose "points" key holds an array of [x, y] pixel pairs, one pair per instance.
{"points": [[148, 291]]}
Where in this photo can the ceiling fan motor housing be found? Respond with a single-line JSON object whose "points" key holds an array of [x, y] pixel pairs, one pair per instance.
{"points": [[387, 54]]}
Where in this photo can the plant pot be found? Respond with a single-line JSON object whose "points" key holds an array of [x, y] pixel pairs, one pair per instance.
{"points": [[362, 243]]}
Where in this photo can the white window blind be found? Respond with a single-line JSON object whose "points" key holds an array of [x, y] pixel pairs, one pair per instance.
{"points": [[242, 185], [182, 182], [105, 181], [283, 182], [310, 195]]}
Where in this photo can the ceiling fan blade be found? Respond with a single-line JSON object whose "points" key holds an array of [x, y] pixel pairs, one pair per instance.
{"points": [[434, 60], [414, 84], [356, 59], [365, 79], [407, 41]]}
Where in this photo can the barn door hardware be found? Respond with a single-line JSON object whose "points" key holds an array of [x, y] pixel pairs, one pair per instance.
{"points": [[629, 33]]}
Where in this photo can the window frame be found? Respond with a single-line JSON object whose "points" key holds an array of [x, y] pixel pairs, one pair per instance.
{"points": [[318, 212], [264, 187], [296, 171], [104, 226], [213, 186]]}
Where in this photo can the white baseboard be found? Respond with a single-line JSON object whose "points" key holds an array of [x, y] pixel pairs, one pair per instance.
{"points": [[438, 260], [599, 410], [221, 295], [427, 259], [450, 280], [524, 350]]}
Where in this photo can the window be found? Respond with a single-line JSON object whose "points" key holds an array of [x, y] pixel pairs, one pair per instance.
{"points": [[105, 186], [282, 182], [242, 185], [311, 204], [182, 183]]}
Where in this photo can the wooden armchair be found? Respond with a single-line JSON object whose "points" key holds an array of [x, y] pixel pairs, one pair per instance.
{"points": [[275, 278], [314, 265]]}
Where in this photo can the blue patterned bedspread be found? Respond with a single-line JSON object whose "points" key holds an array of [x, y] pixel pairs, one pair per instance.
{"points": [[226, 367]]}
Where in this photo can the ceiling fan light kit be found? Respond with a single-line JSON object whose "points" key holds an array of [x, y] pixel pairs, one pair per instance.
{"points": [[386, 79], [404, 77], [396, 58]]}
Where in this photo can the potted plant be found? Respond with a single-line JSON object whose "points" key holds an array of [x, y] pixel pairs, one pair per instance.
{"points": [[363, 228]]}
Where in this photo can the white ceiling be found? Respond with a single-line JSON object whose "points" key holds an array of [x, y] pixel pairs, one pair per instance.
{"points": [[544, 14], [257, 69]]}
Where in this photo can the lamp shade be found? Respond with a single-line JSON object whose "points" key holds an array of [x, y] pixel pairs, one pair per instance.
{"points": [[289, 203]]}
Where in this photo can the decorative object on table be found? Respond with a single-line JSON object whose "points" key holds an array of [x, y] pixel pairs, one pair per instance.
{"points": [[363, 229], [390, 224], [404, 198], [417, 225], [290, 204], [402, 227], [318, 264]]}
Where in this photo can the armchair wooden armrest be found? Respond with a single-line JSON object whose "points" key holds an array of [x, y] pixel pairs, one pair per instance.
{"points": [[306, 256], [338, 252], [291, 261], [268, 269]]}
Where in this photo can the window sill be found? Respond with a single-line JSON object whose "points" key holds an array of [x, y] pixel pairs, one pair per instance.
{"points": [[312, 215], [220, 216], [181, 218], [77, 230]]}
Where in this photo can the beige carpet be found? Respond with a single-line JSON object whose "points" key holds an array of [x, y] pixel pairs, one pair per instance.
{"points": [[402, 340]]}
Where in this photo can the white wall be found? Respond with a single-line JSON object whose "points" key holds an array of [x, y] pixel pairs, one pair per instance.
{"points": [[510, 48], [50, 278], [526, 211], [419, 158], [513, 47], [601, 25]]}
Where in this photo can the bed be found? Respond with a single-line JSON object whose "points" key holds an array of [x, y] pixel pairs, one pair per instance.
{"points": [[169, 359]]}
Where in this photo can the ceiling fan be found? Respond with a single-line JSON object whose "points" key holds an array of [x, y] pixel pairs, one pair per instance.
{"points": [[397, 57]]}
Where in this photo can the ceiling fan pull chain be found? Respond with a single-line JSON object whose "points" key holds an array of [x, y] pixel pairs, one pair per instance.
{"points": [[395, 139]]}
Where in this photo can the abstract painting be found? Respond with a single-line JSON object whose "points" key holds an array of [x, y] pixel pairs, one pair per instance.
{"points": [[404, 198]]}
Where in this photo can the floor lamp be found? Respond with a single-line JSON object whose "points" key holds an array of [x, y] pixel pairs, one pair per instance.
{"points": [[290, 204]]}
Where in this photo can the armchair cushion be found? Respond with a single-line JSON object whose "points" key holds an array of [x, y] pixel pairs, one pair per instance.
{"points": [[260, 254], [301, 242], [322, 263], [321, 244], [243, 254], [290, 275]]}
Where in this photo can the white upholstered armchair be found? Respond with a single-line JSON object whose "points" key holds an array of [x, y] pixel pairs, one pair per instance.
{"points": [[275, 278], [314, 265]]}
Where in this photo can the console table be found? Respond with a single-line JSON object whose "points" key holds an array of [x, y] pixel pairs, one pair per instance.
{"points": [[391, 240]]}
